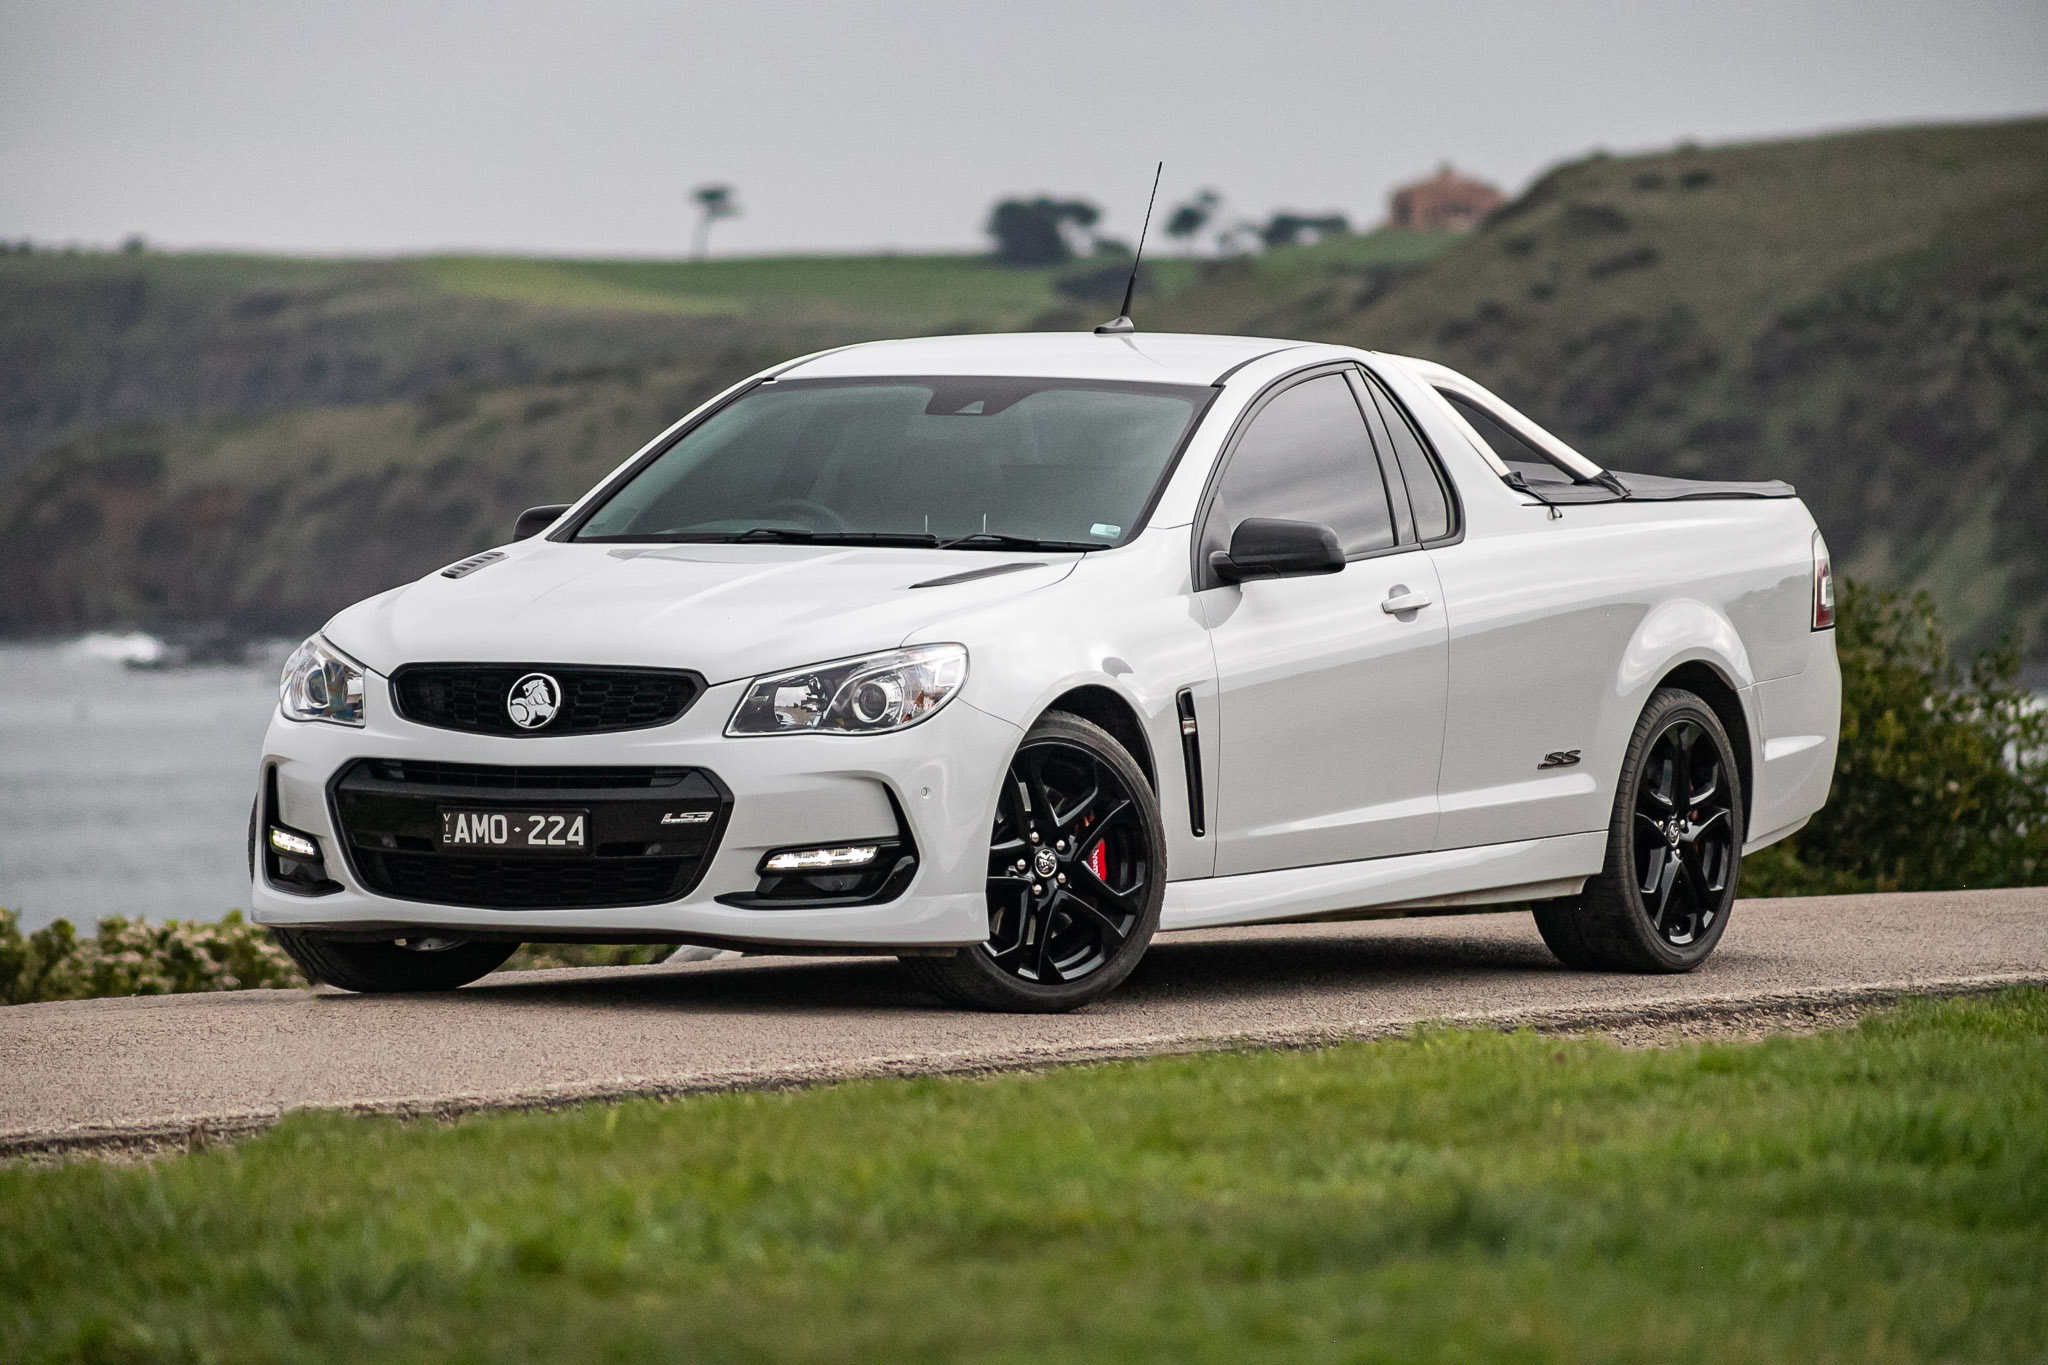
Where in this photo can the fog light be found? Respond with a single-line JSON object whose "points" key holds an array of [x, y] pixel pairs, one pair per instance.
{"points": [[822, 859], [293, 845]]}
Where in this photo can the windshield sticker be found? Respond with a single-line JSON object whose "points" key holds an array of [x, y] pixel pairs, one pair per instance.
{"points": [[1102, 528]]}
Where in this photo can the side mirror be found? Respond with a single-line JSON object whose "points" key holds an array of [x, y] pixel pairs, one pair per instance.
{"points": [[534, 520], [1266, 547]]}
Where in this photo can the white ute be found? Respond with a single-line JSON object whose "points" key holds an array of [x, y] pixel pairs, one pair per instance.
{"points": [[1001, 654]]}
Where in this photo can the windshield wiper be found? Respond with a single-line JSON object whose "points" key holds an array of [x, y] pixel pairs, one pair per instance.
{"points": [[996, 540], [796, 536]]}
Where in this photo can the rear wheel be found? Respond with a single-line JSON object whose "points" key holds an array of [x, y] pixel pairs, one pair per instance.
{"points": [[1674, 850], [1076, 877], [410, 964]]}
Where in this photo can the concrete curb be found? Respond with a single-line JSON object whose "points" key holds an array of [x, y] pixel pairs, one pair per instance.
{"points": [[197, 1131]]}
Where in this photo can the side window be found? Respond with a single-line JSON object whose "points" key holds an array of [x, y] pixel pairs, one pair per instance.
{"points": [[1427, 494], [1516, 453], [1307, 457]]}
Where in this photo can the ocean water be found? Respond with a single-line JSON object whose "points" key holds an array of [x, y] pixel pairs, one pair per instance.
{"points": [[125, 791]]}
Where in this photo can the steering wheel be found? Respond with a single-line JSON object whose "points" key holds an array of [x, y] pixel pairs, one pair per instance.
{"points": [[806, 510]]}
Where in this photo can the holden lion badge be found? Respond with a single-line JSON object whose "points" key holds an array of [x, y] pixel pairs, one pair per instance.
{"points": [[533, 701]]}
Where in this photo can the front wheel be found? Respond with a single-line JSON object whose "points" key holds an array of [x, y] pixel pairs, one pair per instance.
{"points": [[1076, 877], [1674, 850], [410, 964]]}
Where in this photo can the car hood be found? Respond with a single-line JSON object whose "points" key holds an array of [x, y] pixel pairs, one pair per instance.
{"points": [[727, 611]]}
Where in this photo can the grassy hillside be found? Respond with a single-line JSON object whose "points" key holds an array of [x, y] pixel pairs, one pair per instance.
{"points": [[89, 341], [270, 525], [1864, 315], [257, 442]]}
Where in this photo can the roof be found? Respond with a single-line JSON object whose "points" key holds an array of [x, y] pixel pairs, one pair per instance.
{"points": [[1142, 357]]}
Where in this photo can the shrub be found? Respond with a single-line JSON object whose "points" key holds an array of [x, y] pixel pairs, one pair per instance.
{"points": [[1942, 778], [135, 957]]}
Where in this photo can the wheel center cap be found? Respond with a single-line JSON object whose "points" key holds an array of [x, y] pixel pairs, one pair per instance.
{"points": [[1045, 862], [1672, 834]]}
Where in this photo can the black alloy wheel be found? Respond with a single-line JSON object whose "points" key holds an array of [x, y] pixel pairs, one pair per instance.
{"points": [[1684, 832], [1068, 865], [1674, 850], [1076, 877]]}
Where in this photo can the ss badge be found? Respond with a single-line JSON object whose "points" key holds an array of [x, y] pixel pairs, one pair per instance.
{"points": [[1560, 758]]}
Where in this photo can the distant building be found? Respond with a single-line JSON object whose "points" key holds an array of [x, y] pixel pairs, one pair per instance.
{"points": [[1445, 200]]}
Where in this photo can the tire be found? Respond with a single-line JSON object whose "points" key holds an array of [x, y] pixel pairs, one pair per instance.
{"points": [[1067, 931], [380, 966], [1674, 850]]}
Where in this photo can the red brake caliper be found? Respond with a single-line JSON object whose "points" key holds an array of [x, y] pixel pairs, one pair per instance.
{"points": [[1098, 862]]}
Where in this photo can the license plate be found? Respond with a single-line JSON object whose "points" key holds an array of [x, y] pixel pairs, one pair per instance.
{"points": [[521, 831]]}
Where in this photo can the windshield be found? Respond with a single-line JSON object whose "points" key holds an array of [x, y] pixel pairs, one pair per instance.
{"points": [[979, 462]]}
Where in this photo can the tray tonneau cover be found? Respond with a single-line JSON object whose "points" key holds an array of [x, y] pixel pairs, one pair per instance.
{"points": [[1552, 485], [1658, 488]]}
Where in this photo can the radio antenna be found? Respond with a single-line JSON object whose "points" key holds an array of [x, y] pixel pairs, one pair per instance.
{"points": [[1121, 324]]}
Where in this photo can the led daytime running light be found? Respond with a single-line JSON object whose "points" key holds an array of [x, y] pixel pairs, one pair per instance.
{"points": [[293, 845], [822, 859]]}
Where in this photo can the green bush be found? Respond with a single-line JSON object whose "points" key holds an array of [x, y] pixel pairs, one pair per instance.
{"points": [[135, 957], [1941, 782]]}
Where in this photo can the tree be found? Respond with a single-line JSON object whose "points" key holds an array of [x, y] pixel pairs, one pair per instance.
{"points": [[1034, 231], [1288, 229], [1191, 217], [713, 203]]}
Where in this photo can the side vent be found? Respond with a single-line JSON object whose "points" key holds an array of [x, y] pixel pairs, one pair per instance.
{"points": [[972, 574], [472, 564], [1191, 755]]}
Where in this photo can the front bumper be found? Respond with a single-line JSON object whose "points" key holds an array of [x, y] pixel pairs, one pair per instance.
{"points": [[786, 790]]}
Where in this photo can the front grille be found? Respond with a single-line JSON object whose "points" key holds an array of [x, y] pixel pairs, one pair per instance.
{"points": [[524, 883], [472, 697], [389, 814]]}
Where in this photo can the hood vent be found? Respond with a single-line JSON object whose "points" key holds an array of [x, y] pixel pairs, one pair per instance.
{"points": [[472, 564], [968, 577]]}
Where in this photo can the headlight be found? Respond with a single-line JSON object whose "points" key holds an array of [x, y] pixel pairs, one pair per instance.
{"points": [[864, 696], [321, 684]]}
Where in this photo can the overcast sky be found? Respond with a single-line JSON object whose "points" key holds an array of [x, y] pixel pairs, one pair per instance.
{"points": [[579, 127]]}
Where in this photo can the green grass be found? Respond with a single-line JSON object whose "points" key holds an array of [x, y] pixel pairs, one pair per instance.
{"points": [[1875, 1195], [907, 292], [886, 294]]}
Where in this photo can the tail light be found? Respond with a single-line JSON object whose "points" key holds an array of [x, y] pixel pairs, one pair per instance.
{"points": [[1823, 586]]}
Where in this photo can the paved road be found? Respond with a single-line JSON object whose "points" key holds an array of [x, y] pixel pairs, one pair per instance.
{"points": [[88, 1072]]}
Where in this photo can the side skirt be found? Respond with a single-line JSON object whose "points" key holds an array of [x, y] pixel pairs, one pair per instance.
{"points": [[1528, 869]]}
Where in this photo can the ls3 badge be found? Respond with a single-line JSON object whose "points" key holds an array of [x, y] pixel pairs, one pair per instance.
{"points": [[1559, 758], [687, 817]]}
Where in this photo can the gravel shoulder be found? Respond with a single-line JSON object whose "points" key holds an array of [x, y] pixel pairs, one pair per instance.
{"points": [[143, 1073]]}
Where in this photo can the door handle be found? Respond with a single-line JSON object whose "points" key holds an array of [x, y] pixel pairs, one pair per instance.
{"points": [[1401, 600]]}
